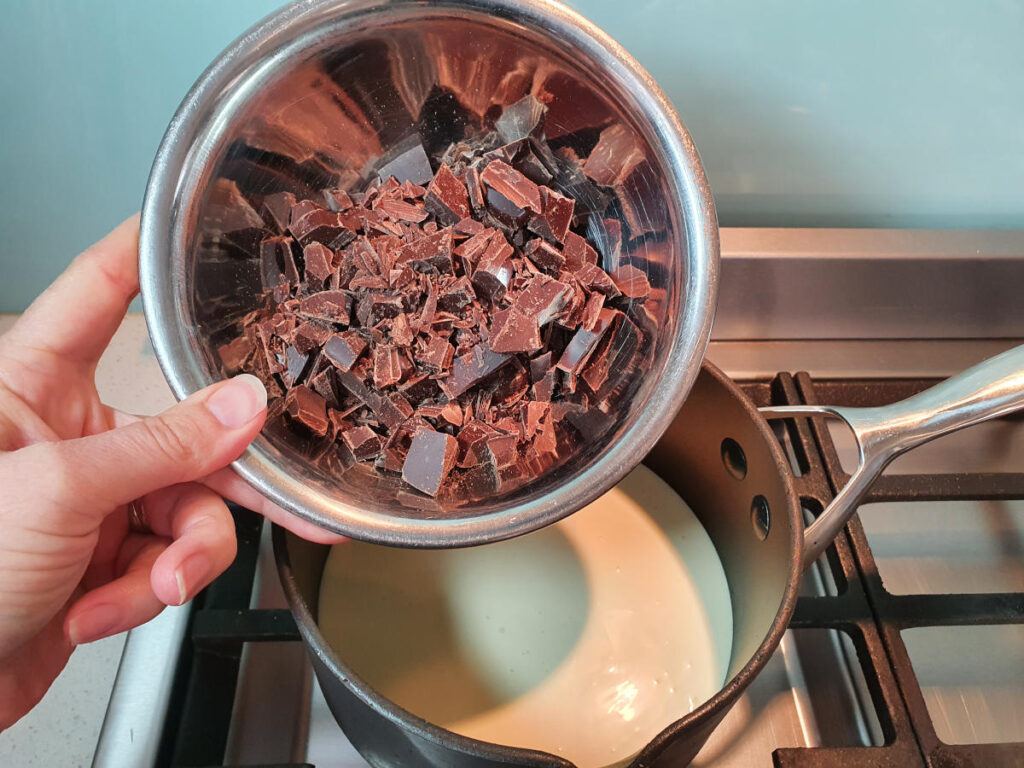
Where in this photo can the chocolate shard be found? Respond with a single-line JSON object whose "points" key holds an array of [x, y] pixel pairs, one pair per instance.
{"points": [[337, 199], [452, 414], [584, 342], [334, 306], [407, 162], [546, 257], [429, 254], [631, 282], [553, 222], [594, 278], [276, 209], [343, 349], [456, 295], [387, 367], [447, 198], [540, 365], [437, 355], [320, 225], [309, 336], [502, 451], [470, 369], [403, 211], [577, 252], [277, 263], [514, 332], [401, 330], [512, 185], [431, 456], [475, 189], [306, 407], [234, 354], [317, 259], [363, 442], [542, 299]]}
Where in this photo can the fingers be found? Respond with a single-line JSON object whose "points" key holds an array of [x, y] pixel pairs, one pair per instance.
{"points": [[231, 486], [204, 540], [194, 543], [121, 604], [75, 317], [207, 431]]}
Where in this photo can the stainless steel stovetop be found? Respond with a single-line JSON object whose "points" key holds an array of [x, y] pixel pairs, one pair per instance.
{"points": [[881, 307]]}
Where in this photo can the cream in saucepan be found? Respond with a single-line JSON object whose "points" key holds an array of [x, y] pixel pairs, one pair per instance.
{"points": [[584, 639]]}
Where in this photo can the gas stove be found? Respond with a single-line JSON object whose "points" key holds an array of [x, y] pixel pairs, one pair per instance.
{"points": [[907, 646]]}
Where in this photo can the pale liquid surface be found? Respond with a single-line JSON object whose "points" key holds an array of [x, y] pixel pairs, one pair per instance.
{"points": [[584, 639]]}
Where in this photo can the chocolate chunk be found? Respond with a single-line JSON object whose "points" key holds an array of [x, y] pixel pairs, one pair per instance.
{"points": [[276, 209], [343, 349], [632, 283], [446, 197], [584, 343], [577, 252], [594, 278], [318, 259], [543, 298], [475, 189], [591, 312], [502, 450], [363, 442], [456, 295], [337, 200], [387, 367], [277, 265], [403, 211], [431, 456], [470, 369], [234, 354], [437, 355], [320, 226], [553, 222], [452, 414], [335, 306], [512, 186], [431, 253], [306, 407], [407, 162], [544, 256], [310, 336], [540, 365], [513, 331]]}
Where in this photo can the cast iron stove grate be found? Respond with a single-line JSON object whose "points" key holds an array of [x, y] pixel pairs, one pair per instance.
{"points": [[199, 716]]}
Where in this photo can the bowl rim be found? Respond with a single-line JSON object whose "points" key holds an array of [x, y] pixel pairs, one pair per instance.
{"points": [[178, 153]]}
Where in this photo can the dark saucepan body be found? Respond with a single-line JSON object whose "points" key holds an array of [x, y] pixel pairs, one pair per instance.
{"points": [[762, 576]]}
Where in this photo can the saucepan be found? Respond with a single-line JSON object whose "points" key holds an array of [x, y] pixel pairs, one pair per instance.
{"points": [[721, 455]]}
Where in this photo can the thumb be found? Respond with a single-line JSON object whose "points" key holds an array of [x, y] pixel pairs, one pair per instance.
{"points": [[199, 435]]}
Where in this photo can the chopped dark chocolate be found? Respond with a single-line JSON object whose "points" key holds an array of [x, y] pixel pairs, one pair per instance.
{"points": [[343, 349], [306, 407], [431, 456], [512, 186], [363, 442], [465, 319], [446, 197], [470, 369]]}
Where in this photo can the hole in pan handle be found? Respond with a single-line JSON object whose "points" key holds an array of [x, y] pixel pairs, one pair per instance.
{"points": [[989, 390]]}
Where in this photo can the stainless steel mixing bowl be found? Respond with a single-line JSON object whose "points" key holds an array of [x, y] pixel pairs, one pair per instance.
{"points": [[315, 96]]}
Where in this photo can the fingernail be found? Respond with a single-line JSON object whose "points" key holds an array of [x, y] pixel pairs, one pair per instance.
{"points": [[97, 622], [238, 402], [192, 575]]}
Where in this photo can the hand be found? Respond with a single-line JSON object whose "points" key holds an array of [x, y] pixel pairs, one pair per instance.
{"points": [[71, 570]]}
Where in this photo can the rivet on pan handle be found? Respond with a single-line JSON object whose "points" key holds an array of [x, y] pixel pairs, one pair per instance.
{"points": [[989, 390]]}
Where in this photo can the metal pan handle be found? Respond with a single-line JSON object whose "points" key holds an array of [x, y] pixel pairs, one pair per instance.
{"points": [[988, 390]]}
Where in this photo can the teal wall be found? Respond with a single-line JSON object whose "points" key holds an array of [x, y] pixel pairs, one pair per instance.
{"points": [[810, 113]]}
